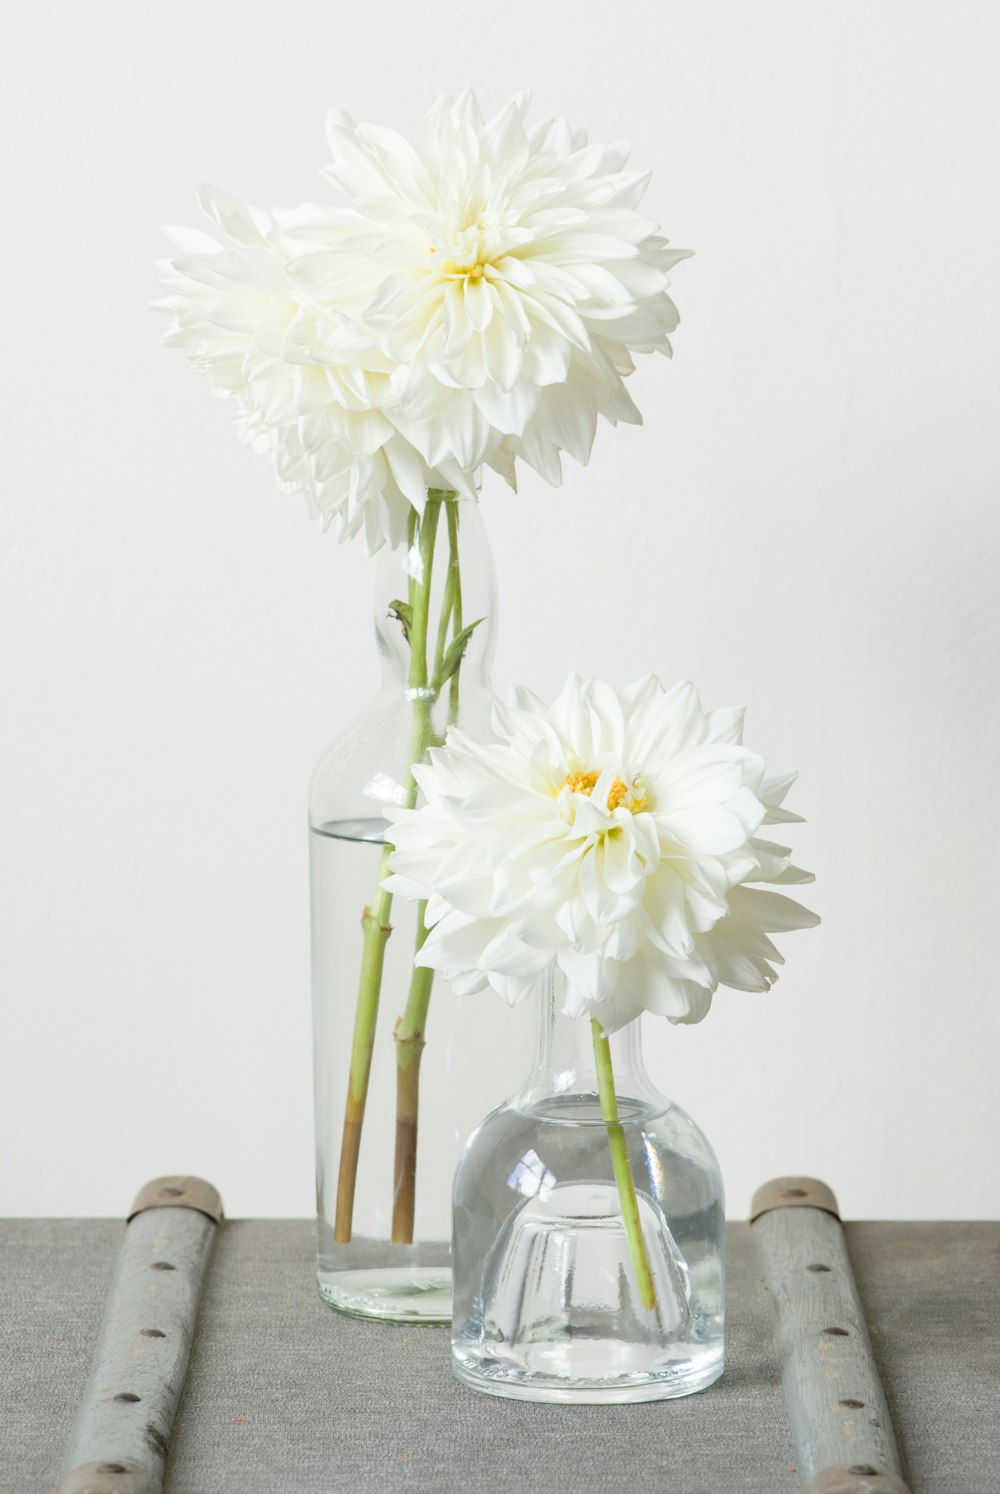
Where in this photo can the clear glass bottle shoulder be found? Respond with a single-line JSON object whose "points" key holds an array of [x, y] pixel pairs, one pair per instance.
{"points": [[544, 1301], [524, 1145]]}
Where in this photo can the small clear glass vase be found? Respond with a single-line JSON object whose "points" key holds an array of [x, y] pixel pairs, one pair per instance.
{"points": [[400, 1065], [547, 1305]]}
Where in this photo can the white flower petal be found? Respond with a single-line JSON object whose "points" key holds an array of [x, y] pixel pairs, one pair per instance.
{"points": [[504, 260], [531, 854]]}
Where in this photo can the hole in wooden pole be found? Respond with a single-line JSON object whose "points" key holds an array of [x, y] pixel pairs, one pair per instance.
{"points": [[126, 1395], [152, 1333], [162, 1266], [849, 1404], [817, 1268], [836, 1332]]}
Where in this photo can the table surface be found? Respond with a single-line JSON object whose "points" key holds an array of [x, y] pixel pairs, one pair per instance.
{"points": [[284, 1396]]}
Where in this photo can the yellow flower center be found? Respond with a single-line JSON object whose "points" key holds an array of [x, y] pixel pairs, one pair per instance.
{"points": [[471, 272], [618, 794], [467, 252]]}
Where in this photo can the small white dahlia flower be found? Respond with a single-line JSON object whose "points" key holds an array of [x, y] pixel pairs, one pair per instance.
{"points": [[512, 279], [313, 391], [613, 836]]}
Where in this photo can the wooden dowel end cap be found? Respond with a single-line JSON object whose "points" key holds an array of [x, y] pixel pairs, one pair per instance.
{"points": [[179, 1192], [793, 1193]]}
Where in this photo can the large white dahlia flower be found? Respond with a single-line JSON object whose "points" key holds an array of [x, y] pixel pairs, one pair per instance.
{"points": [[513, 277], [613, 836], [312, 389], [478, 300]]}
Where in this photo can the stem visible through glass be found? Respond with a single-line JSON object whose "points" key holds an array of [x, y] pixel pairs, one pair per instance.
{"points": [[622, 1169], [411, 1026], [425, 684], [409, 1036]]}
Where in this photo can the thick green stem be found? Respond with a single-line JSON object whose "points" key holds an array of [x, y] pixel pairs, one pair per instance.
{"points": [[409, 1036], [620, 1163], [411, 1027], [422, 593], [452, 592], [422, 689], [455, 577], [425, 687], [375, 922], [375, 919]]}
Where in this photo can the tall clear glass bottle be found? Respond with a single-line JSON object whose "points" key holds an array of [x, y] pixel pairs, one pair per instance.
{"points": [[400, 1065], [547, 1302]]}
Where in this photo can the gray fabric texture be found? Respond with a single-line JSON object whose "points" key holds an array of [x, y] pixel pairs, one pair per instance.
{"points": [[284, 1396]]}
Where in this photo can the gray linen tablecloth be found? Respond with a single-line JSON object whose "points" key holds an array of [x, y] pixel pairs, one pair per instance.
{"points": [[284, 1396]]}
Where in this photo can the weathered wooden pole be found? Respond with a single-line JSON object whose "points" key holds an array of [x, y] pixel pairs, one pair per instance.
{"points": [[122, 1433], [837, 1411]]}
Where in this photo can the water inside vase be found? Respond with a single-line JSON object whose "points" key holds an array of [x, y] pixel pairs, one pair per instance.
{"points": [[473, 1052], [551, 1311]]}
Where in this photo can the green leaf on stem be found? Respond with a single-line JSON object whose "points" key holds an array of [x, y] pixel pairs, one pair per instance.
{"points": [[403, 613], [456, 651]]}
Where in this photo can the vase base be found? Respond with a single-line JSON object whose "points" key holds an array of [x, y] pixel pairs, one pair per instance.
{"points": [[537, 1379], [398, 1294]]}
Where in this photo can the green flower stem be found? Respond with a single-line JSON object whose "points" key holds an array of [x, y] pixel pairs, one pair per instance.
{"points": [[422, 691], [411, 1026], [620, 1163], [375, 919], [409, 1036], [452, 595], [422, 593], [377, 928], [454, 575]]}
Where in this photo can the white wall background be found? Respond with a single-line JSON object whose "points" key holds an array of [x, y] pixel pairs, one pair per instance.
{"points": [[805, 523]]}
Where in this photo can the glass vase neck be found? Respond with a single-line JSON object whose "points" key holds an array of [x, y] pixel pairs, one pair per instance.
{"points": [[565, 1062], [435, 620]]}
